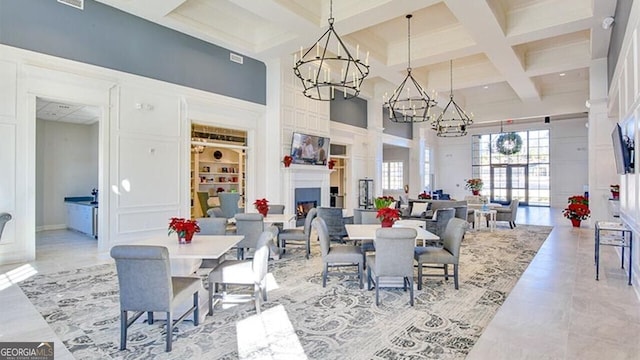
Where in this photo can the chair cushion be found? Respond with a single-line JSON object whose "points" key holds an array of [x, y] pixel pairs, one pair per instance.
{"points": [[232, 272], [433, 255], [344, 254], [419, 208], [292, 234]]}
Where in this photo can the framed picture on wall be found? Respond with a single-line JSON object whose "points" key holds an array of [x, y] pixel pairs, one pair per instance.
{"points": [[309, 149]]}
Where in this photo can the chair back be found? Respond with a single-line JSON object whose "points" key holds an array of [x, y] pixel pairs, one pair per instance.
{"points": [[443, 215], [251, 226], [514, 208], [394, 251], [276, 209], [334, 220], [453, 234], [461, 211], [260, 262], [369, 217], [311, 214], [323, 235], [144, 277], [229, 203], [212, 226], [4, 217]]}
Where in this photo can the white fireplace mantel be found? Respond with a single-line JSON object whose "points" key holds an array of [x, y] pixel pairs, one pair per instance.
{"points": [[305, 176]]}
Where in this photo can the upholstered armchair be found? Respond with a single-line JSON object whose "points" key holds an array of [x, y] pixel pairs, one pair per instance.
{"points": [[508, 213], [4, 218], [244, 272], [336, 255], [393, 258], [276, 209], [229, 203], [146, 285], [298, 235], [449, 253]]}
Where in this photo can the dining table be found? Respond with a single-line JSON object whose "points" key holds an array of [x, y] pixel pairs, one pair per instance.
{"points": [[284, 219], [365, 232]]}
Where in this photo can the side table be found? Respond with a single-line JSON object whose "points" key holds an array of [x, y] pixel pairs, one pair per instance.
{"points": [[489, 215], [613, 234]]}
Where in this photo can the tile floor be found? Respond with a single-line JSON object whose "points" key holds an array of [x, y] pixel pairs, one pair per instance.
{"points": [[556, 311]]}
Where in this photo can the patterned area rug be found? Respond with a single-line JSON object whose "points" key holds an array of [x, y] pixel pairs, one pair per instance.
{"points": [[340, 321]]}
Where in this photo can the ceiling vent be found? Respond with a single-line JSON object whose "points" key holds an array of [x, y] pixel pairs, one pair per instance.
{"points": [[78, 4], [236, 58]]}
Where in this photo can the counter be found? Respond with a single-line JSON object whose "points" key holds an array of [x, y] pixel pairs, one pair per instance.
{"points": [[82, 215]]}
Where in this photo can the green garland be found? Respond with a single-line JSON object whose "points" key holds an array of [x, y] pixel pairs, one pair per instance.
{"points": [[509, 143]]}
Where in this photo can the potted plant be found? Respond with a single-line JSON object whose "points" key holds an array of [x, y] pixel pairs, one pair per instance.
{"points": [[185, 228], [424, 196], [331, 163], [287, 160], [388, 216], [383, 201], [262, 205], [475, 185], [577, 210], [615, 191]]}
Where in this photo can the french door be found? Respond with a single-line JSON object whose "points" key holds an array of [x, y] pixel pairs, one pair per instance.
{"points": [[509, 182]]}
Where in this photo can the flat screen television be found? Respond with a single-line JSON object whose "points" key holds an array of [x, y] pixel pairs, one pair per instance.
{"points": [[309, 149], [621, 151]]}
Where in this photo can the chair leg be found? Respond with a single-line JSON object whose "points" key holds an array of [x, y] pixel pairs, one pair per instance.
{"points": [[256, 297], [446, 271], [211, 297], [419, 276], [369, 279], [123, 330], [455, 275], [324, 275], [404, 283], [169, 331], [196, 311], [410, 281], [360, 273], [377, 290], [149, 317], [308, 247]]}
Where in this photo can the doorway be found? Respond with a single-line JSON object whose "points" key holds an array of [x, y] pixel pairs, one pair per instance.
{"points": [[509, 182]]}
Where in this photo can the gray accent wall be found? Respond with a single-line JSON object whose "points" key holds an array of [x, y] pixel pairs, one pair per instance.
{"points": [[351, 111], [394, 128], [103, 36]]}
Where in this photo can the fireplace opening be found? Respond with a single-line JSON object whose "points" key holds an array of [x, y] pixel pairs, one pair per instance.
{"points": [[302, 209]]}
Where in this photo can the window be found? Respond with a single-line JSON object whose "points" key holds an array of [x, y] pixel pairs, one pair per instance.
{"points": [[392, 175], [427, 169]]}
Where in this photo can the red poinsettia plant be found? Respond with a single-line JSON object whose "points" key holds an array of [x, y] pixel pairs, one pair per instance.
{"points": [[424, 196], [578, 208], [262, 205], [185, 228], [387, 214]]}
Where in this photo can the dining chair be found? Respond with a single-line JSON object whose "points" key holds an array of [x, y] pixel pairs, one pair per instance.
{"points": [[276, 209], [298, 235], [212, 226], [146, 285], [393, 258], [250, 226], [448, 254], [244, 272], [439, 222], [333, 218], [229, 203], [336, 255], [4, 218]]}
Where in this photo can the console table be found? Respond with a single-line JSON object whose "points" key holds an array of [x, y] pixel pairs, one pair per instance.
{"points": [[613, 234]]}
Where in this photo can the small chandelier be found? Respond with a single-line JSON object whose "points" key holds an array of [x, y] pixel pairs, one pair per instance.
{"points": [[415, 105], [315, 72], [455, 122]]}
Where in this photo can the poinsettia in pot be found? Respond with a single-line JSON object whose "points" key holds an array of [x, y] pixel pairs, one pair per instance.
{"points": [[577, 210], [475, 185], [615, 191], [262, 205], [388, 216], [185, 228], [287, 160], [331, 163]]}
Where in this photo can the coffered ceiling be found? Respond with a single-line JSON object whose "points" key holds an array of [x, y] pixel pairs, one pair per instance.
{"points": [[512, 59]]}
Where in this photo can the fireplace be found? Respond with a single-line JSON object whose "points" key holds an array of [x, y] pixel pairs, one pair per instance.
{"points": [[305, 199]]}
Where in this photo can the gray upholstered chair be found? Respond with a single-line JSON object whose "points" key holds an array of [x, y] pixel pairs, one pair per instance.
{"points": [[212, 226], [303, 235], [251, 226], [229, 203], [244, 272], [276, 209], [393, 258], [215, 212], [508, 213], [335, 221], [336, 255], [442, 217], [4, 218], [203, 198], [367, 216], [449, 253], [146, 285]]}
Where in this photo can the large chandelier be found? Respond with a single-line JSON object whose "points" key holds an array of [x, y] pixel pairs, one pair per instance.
{"points": [[319, 73], [409, 102], [453, 121]]}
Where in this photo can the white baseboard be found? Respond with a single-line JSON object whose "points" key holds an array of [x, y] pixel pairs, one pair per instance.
{"points": [[51, 227]]}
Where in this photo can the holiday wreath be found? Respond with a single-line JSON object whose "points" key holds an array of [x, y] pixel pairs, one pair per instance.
{"points": [[509, 143]]}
